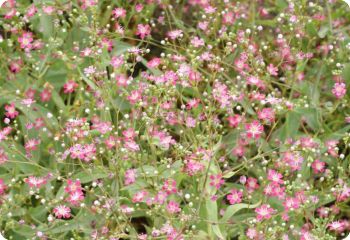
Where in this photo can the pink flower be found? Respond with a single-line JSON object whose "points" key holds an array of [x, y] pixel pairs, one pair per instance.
{"points": [[11, 111], [192, 103], [272, 70], [255, 81], [197, 42], [252, 184], [161, 197], [169, 186], [130, 176], [143, 30], [235, 196], [35, 182], [190, 122], [132, 146], [228, 18], [70, 86], [266, 114], [10, 13], [275, 176], [117, 61], [323, 212], [83, 152], [134, 96], [139, 196], [264, 212], [3, 186], [155, 62], [252, 233], [318, 166], [337, 226], [173, 207], [28, 102], [75, 198], [87, 3], [31, 144], [73, 186], [31, 11], [119, 12], [107, 43], [45, 95], [15, 66], [193, 167], [293, 160], [48, 9], [254, 129], [138, 7], [339, 90], [62, 211], [122, 80], [291, 203], [235, 120], [126, 209], [174, 34], [26, 40], [216, 181]]}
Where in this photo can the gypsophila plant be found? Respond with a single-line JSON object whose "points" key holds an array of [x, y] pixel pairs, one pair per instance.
{"points": [[175, 119]]}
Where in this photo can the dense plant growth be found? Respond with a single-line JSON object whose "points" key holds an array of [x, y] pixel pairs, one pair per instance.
{"points": [[175, 119]]}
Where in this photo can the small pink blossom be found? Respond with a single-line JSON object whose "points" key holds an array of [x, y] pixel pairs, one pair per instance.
{"points": [[173, 207], [264, 212], [70, 86], [143, 30], [62, 211], [254, 129], [11, 111], [235, 196], [339, 90]]}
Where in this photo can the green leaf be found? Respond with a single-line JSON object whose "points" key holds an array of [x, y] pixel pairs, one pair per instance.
{"points": [[46, 24], [86, 176], [233, 209], [312, 117], [323, 31], [212, 216]]}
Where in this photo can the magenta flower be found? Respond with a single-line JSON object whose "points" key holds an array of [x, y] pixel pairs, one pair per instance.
{"points": [[235, 196], [3, 186], [216, 181], [62, 211], [26, 40], [254, 129], [119, 12], [143, 30], [173, 207], [70, 86], [11, 111], [318, 166], [339, 90], [264, 212]]}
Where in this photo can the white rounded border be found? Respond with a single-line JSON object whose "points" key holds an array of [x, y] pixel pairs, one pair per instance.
{"points": [[3, 1]]}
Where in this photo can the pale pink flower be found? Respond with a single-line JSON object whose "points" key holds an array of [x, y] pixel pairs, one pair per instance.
{"points": [[143, 30], [235, 196], [339, 90], [62, 211], [254, 129], [173, 207], [264, 212], [11, 111]]}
